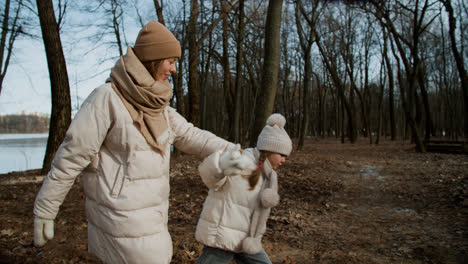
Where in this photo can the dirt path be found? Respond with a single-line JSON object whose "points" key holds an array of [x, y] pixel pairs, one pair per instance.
{"points": [[378, 204], [340, 203]]}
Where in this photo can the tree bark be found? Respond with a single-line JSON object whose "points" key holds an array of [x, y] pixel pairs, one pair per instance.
{"points": [[61, 102], [265, 102]]}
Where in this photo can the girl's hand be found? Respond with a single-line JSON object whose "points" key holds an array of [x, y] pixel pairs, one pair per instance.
{"points": [[231, 161]]}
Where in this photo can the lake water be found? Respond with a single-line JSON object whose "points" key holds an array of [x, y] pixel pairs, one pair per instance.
{"points": [[19, 152]]}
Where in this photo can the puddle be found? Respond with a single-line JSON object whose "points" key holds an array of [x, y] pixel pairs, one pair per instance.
{"points": [[368, 172], [405, 211]]}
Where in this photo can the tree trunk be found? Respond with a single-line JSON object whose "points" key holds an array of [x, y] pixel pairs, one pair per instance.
{"points": [[391, 85], [193, 83], [322, 97], [425, 99], [235, 131], [115, 24], [342, 123], [265, 102], [459, 62], [366, 97], [61, 102], [306, 41], [177, 77], [351, 127], [4, 66], [305, 100], [379, 110], [159, 11], [228, 90]]}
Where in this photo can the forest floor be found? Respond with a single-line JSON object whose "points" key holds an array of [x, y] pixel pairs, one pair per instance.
{"points": [[340, 203]]}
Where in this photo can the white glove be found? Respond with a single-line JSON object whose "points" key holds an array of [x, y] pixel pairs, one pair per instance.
{"points": [[231, 161], [43, 231]]}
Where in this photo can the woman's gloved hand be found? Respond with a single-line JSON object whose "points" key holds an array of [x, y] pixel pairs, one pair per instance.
{"points": [[231, 161], [43, 231]]}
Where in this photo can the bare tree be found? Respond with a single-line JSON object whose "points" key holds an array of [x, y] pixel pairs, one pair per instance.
{"points": [[194, 44], [109, 27], [10, 31], [330, 59], [265, 103], [307, 39], [459, 62], [348, 40], [411, 61], [61, 102]]}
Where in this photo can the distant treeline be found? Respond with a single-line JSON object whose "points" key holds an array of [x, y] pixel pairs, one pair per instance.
{"points": [[24, 124]]}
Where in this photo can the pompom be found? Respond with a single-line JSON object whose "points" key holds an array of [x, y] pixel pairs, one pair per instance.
{"points": [[276, 119], [235, 154], [269, 198], [251, 245]]}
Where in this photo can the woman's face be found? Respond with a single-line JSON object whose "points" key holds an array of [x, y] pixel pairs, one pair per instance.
{"points": [[276, 160], [165, 69]]}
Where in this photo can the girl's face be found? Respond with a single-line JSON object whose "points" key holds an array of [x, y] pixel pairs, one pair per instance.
{"points": [[165, 69], [276, 160]]}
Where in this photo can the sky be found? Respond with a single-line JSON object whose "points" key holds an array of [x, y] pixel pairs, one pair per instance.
{"points": [[26, 87]]}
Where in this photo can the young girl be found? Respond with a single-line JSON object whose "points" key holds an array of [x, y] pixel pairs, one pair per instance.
{"points": [[236, 210]]}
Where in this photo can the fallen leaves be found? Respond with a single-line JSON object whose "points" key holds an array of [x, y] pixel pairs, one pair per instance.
{"points": [[408, 208]]}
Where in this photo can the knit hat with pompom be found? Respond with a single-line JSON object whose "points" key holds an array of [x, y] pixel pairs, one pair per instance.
{"points": [[273, 136]]}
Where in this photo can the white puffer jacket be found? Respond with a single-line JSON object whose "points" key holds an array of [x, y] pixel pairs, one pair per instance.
{"points": [[125, 181], [226, 216]]}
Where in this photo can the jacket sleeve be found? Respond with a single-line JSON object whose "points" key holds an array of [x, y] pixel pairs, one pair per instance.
{"points": [[192, 140], [211, 173], [82, 142]]}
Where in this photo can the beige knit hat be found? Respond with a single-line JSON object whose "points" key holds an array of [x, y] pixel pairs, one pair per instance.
{"points": [[273, 136], [156, 42]]}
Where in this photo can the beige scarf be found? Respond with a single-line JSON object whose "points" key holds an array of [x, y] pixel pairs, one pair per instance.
{"points": [[144, 98]]}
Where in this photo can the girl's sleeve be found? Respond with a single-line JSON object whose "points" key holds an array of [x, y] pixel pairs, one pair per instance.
{"points": [[192, 140], [211, 173], [82, 142]]}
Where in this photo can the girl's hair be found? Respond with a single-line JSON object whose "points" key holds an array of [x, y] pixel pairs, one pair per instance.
{"points": [[255, 176], [152, 66]]}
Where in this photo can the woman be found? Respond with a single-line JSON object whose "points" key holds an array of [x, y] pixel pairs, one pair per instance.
{"points": [[120, 142]]}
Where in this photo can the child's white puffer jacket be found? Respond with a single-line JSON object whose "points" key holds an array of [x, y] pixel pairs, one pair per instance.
{"points": [[225, 220]]}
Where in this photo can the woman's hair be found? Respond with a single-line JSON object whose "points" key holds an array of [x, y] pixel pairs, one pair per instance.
{"points": [[152, 66], [255, 176]]}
